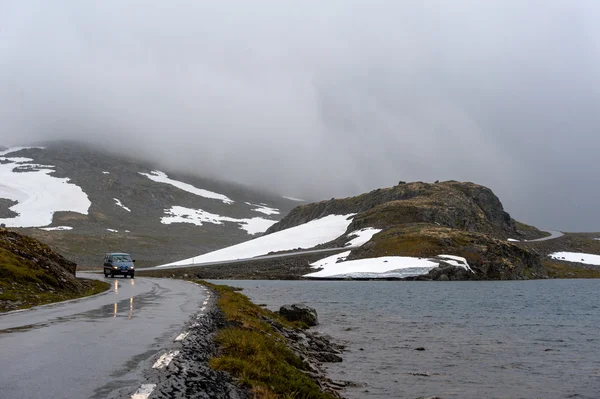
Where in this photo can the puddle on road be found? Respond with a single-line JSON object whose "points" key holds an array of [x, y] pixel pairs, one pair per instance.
{"points": [[23, 328]]}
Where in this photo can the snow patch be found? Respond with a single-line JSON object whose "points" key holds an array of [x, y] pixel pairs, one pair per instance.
{"points": [[315, 232], [38, 195], [15, 149], [112, 230], [118, 202], [180, 214], [263, 208], [386, 266], [294, 199], [161, 177], [336, 266], [57, 228], [457, 261], [363, 236], [331, 260], [578, 257], [105, 173], [512, 240]]}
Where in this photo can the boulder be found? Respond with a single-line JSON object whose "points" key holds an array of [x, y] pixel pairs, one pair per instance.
{"points": [[299, 312]]}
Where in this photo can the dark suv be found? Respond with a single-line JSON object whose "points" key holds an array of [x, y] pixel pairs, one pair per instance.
{"points": [[118, 263]]}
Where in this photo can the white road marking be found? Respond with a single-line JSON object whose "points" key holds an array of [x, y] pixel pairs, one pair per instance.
{"points": [[182, 336], [164, 360], [144, 391]]}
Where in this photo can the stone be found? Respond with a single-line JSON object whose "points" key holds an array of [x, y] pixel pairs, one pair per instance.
{"points": [[300, 312]]}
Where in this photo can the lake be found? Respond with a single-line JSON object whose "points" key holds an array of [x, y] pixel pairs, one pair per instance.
{"points": [[496, 339]]}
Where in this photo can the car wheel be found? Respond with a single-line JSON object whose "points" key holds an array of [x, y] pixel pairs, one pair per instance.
{"points": [[112, 275], [105, 275], [132, 276]]}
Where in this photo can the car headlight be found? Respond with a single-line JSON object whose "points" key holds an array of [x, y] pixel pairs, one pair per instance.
{"points": [[114, 267]]}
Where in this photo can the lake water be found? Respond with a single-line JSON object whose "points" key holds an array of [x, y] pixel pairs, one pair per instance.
{"points": [[508, 339]]}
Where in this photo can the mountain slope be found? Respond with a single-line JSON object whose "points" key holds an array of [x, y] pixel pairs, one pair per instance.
{"points": [[33, 274], [85, 202]]}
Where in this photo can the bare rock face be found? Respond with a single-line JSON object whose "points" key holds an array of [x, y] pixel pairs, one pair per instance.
{"points": [[300, 312]]}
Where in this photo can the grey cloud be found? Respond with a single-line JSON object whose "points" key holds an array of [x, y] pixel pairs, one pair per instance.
{"points": [[322, 99]]}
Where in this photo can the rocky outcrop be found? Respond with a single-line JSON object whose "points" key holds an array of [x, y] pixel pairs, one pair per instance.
{"points": [[300, 312], [489, 257], [31, 273], [465, 206]]}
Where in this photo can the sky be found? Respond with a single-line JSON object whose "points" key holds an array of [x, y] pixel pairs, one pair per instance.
{"points": [[321, 99]]}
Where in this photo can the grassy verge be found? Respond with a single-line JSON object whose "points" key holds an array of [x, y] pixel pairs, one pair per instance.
{"points": [[28, 298], [563, 270], [255, 353]]}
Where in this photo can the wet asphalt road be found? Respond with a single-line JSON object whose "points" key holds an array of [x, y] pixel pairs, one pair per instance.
{"points": [[94, 347]]}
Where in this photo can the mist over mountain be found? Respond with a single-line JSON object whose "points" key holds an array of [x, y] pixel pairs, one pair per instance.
{"points": [[317, 100]]}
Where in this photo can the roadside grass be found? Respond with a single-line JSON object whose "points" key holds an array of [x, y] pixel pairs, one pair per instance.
{"points": [[23, 284], [255, 353], [28, 296], [562, 270]]}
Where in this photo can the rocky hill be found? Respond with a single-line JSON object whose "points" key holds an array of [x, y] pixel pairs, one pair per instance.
{"points": [[33, 274], [424, 220], [85, 201]]}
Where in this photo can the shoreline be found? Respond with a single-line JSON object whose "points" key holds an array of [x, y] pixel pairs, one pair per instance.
{"points": [[238, 349]]}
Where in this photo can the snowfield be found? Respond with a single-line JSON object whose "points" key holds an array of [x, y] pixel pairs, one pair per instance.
{"points": [[336, 266], [262, 208], [38, 195], [180, 214], [57, 228], [363, 236], [294, 199], [161, 177], [578, 257], [387, 266], [307, 235]]}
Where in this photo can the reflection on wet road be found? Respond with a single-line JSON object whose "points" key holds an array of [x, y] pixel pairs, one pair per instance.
{"points": [[92, 347]]}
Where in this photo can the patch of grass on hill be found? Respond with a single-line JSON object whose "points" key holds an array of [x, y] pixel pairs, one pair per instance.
{"points": [[421, 240], [563, 270], [530, 232], [23, 284], [255, 353]]}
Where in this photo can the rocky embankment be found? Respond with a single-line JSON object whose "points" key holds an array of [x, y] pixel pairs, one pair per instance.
{"points": [[271, 355], [237, 350], [31, 273]]}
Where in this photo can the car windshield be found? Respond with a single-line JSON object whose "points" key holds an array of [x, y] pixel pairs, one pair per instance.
{"points": [[121, 258]]}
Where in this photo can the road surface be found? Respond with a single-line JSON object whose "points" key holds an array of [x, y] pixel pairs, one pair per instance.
{"points": [[552, 236], [95, 347]]}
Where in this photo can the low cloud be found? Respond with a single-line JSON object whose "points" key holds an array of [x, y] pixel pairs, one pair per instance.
{"points": [[321, 99]]}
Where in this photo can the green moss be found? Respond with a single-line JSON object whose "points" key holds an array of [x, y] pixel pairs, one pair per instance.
{"points": [[24, 284], [422, 241], [530, 231], [28, 296], [256, 354], [562, 270]]}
